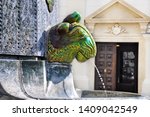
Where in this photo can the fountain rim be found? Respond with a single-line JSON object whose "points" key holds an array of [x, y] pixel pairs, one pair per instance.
{"points": [[110, 94], [109, 91], [55, 63], [59, 64]]}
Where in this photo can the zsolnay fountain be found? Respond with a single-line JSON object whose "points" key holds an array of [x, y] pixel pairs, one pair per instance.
{"points": [[24, 76]]}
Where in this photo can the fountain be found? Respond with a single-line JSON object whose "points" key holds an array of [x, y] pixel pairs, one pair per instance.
{"points": [[22, 74], [38, 66]]}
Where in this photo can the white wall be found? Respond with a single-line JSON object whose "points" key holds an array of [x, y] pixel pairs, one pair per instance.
{"points": [[68, 6], [146, 83], [86, 7], [142, 5]]}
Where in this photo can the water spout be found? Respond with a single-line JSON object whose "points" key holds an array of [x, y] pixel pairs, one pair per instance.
{"points": [[101, 80]]}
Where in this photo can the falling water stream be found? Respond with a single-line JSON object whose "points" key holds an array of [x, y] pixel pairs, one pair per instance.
{"points": [[101, 80]]}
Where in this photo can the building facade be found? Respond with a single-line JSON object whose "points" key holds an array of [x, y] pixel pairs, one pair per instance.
{"points": [[121, 32]]}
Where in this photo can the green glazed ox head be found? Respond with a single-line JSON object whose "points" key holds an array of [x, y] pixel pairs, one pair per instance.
{"points": [[69, 40]]}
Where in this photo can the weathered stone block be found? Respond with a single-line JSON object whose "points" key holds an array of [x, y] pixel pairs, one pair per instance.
{"points": [[29, 79], [9, 77], [60, 81], [57, 72], [23, 79], [33, 78]]}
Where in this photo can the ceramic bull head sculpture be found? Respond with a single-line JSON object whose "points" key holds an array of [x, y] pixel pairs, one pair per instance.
{"points": [[69, 40]]}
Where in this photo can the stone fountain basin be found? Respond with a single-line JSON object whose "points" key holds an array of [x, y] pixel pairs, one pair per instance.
{"points": [[101, 94], [94, 95], [34, 73]]}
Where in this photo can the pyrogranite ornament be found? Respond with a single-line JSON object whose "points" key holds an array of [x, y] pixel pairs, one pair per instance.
{"points": [[69, 40]]}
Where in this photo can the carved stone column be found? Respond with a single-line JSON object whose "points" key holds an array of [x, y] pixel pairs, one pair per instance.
{"points": [[146, 82]]}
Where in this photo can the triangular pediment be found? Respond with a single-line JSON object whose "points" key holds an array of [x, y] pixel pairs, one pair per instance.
{"points": [[117, 11]]}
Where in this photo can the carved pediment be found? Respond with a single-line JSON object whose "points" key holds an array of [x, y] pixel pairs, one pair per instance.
{"points": [[117, 11]]}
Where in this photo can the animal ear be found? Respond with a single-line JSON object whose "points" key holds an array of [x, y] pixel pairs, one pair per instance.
{"points": [[73, 17], [63, 28], [50, 4]]}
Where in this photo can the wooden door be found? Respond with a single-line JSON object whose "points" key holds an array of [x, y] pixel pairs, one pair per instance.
{"points": [[106, 64], [127, 67]]}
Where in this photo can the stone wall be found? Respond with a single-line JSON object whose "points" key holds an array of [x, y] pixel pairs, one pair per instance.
{"points": [[22, 25], [23, 79]]}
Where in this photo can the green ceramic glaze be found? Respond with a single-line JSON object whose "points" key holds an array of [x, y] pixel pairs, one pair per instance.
{"points": [[69, 40], [50, 4]]}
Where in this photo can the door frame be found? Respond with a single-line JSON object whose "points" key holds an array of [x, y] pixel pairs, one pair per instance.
{"points": [[118, 64], [116, 67]]}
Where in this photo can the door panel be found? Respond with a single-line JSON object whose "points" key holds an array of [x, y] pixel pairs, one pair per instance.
{"points": [[106, 63], [127, 67]]}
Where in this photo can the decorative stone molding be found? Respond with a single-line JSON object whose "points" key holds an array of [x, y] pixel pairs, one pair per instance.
{"points": [[148, 28], [143, 27], [116, 29], [91, 26]]}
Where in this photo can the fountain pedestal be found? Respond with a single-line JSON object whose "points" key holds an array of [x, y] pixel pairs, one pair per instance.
{"points": [[29, 79], [22, 35], [60, 81]]}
